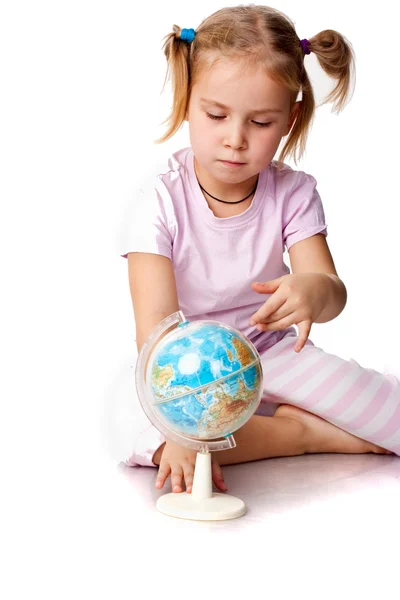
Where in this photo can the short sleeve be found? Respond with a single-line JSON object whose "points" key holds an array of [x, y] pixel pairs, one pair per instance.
{"points": [[303, 213], [148, 223]]}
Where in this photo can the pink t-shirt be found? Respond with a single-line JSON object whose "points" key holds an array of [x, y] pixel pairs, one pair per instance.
{"points": [[216, 259]]}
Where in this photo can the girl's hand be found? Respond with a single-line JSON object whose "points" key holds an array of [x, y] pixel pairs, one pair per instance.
{"points": [[180, 462], [297, 299]]}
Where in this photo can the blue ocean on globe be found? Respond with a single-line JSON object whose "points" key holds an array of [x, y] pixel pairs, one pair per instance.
{"points": [[205, 380]]}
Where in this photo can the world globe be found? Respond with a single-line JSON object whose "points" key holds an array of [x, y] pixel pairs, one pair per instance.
{"points": [[198, 382]]}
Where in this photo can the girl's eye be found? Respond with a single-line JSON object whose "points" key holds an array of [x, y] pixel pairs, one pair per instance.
{"points": [[255, 122], [262, 124], [213, 116]]}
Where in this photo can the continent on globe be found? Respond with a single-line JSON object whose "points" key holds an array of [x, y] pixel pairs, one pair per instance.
{"points": [[162, 375], [244, 355], [225, 410]]}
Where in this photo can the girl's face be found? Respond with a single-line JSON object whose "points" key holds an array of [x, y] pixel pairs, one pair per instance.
{"points": [[246, 129]]}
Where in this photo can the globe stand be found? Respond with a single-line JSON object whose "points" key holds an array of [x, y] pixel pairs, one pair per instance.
{"points": [[202, 504]]}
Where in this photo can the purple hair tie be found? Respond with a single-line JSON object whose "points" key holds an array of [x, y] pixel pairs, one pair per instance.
{"points": [[305, 44]]}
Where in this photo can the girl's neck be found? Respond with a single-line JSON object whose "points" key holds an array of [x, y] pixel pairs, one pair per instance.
{"points": [[219, 193]]}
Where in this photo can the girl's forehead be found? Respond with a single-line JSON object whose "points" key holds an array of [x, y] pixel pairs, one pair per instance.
{"points": [[235, 65], [227, 76], [224, 70]]}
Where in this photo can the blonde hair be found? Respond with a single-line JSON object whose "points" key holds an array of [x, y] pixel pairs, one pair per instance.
{"points": [[259, 36]]}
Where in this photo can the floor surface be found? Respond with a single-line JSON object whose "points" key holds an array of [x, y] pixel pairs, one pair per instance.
{"points": [[317, 526]]}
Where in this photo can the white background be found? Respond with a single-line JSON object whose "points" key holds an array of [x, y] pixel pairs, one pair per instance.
{"points": [[80, 106]]}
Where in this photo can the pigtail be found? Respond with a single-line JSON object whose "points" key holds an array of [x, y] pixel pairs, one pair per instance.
{"points": [[177, 53], [295, 145], [336, 56]]}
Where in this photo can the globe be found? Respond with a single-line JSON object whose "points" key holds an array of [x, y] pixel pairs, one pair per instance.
{"points": [[198, 382]]}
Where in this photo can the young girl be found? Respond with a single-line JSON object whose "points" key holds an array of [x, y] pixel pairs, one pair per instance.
{"points": [[208, 237]]}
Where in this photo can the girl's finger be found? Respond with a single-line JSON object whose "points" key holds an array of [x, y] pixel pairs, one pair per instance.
{"points": [[218, 477], [188, 473], [283, 311], [163, 473], [267, 309], [278, 325], [176, 478], [304, 331]]}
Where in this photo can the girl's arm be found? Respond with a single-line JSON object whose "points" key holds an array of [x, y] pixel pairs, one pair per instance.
{"points": [[154, 297], [153, 291], [312, 255]]}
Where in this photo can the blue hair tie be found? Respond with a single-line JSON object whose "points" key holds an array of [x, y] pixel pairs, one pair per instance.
{"points": [[187, 35]]}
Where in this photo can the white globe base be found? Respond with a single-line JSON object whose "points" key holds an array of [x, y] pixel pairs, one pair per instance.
{"points": [[201, 504], [217, 508]]}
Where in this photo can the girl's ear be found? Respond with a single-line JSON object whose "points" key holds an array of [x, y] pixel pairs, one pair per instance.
{"points": [[293, 116]]}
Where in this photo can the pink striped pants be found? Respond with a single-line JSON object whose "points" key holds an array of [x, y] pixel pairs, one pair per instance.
{"points": [[361, 401]]}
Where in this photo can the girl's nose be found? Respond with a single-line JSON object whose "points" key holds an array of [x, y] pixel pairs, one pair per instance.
{"points": [[235, 138]]}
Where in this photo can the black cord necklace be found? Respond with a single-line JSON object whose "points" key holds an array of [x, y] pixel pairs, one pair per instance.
{"points": [[227, 201]]}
